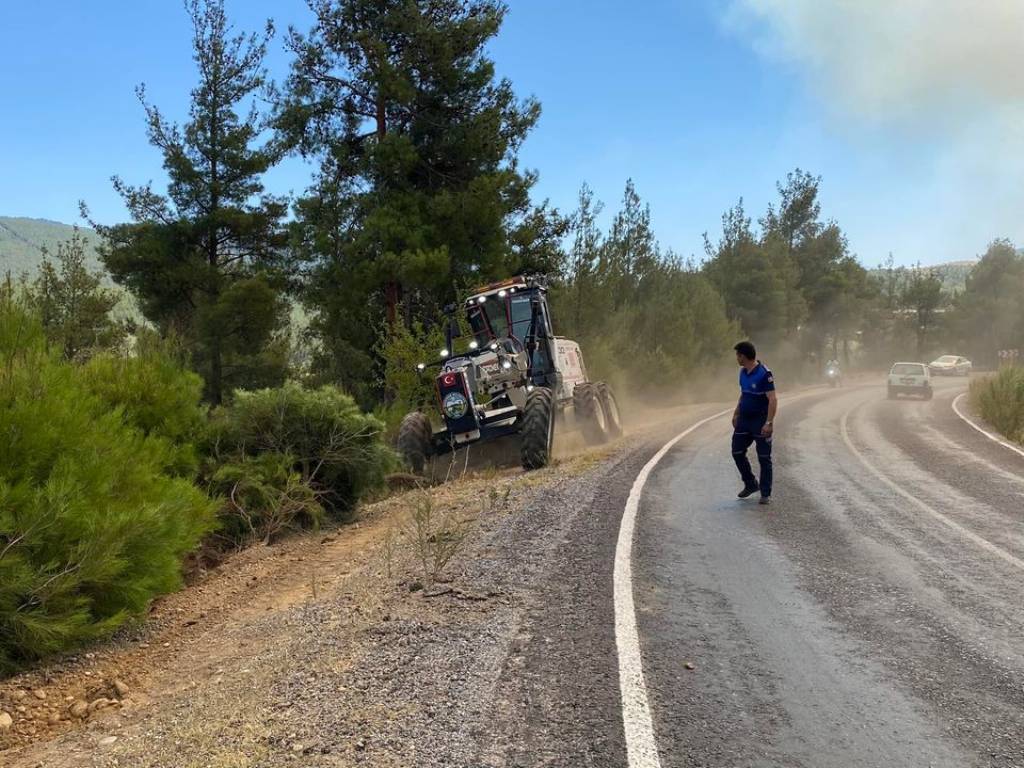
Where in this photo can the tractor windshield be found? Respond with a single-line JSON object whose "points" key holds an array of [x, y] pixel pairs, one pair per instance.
{"points": [[522, 314], [489, 320], [503, 317]]}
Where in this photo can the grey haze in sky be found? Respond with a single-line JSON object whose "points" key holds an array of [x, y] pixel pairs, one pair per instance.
{"points": [[943, 77], [904, 61]]}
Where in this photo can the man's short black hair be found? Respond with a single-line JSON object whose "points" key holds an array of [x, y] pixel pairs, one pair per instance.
{"points": [[746, 349]]}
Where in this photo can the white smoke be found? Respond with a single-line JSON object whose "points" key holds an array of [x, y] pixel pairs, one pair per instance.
{"points": [[897, 59], [943, 74]]}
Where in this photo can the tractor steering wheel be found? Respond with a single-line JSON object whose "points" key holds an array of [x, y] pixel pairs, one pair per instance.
{"points": [[516, 344]]}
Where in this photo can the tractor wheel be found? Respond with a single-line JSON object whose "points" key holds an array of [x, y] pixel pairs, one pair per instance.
{"points": [[590, 413], [611, 410], [538, 432], [414, 440]]}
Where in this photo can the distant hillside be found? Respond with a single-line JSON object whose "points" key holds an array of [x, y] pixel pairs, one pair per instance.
{"points": [[953, 274], [22, 242]]}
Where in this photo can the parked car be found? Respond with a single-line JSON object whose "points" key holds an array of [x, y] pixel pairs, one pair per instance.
{"points": [[950, 365], [910, 379]]}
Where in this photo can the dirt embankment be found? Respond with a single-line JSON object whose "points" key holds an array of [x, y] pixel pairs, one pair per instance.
{"points": [[185, 636]]}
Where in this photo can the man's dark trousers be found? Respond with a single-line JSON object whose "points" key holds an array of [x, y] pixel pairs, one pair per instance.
{"points": [[741, 441]]}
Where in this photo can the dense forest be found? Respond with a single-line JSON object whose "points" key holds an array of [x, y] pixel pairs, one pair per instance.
{"points": [[212, 418]]}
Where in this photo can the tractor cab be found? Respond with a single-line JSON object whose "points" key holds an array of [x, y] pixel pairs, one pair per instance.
{"points": [[514, 314]]}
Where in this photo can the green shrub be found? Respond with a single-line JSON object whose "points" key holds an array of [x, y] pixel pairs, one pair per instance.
{"points": [[156, 394], [1000, 401], [336, 448], [263, 497], [402, 350], [91, 527]]}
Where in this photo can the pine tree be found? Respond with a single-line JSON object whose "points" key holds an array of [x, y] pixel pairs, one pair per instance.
{"points": [[418, 192], [625, 299], [756, 277], [830, 282], [582, 277], [74, 307], [92, 526], [923, 297], [205, 260], [989, 315]]}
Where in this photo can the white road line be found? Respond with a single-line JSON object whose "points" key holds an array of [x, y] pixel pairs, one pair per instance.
{"points": [[994, 438], [985, 544], [641, 747]]}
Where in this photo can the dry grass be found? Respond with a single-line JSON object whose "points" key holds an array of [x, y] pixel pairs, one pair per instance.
{"points": [[436, 536]]}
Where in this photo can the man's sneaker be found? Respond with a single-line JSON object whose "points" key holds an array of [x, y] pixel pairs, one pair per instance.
{"points": [[765, 500], [750, 490]]}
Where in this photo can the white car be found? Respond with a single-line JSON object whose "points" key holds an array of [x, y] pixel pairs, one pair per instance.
{"points": [[910, 379], [950, 365]]}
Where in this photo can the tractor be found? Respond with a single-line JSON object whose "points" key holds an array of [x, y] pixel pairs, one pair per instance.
{"points": [[513, 379]]}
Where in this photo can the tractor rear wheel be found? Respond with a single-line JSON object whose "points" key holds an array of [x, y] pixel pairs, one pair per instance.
{"points": [[414, 440], [590, 413], [611, 410], [538, 432]]}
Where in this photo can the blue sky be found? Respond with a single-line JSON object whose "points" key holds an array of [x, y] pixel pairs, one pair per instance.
{"points": [[699, 101]]}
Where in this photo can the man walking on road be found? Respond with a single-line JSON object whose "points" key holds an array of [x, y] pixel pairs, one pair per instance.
{"points": [[752, 421]]}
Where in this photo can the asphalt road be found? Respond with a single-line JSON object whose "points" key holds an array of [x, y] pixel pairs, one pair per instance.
{"points": [[871, 617]]}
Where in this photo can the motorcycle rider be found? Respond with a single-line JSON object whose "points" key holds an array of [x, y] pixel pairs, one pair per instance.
{"points": [[832, 371]]}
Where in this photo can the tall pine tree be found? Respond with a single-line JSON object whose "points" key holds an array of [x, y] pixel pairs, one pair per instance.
{"points": [[419, 192], [204, 260], [756, 277]]}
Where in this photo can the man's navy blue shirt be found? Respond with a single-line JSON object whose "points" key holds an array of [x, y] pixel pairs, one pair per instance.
{"points": [[754, 389]]}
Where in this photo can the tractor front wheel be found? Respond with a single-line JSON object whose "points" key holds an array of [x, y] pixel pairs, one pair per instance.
{"points": [[538, 432], [414, 440], [590, 413]]}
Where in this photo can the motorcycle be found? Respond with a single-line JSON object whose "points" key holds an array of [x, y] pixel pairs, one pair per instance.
{"points": [[833, 377]]}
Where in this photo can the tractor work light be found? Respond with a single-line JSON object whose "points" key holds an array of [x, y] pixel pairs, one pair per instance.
{"points": [[507, 365], [455, 405], [421, 367], [502, 293], [444, 353], [473, 345], [482, 300], [494, 346]]}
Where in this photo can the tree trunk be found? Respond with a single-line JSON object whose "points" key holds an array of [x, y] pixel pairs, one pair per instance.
{"points": [[392, 288], [392, 292], [216, 373]]}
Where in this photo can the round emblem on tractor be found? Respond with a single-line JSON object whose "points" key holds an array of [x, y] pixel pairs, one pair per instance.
{"points": [[455, 405]]}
